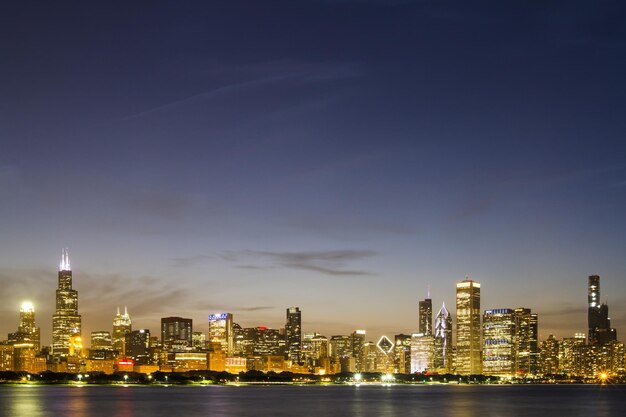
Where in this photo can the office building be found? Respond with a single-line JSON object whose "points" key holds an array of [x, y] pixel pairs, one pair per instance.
{"points": [[293, 334], [468, 329], [499, 338], [101, 340], [422, 352], [600, 331], [221, 332], [137, 346], [28, 334], [526, 343], [442, 360], [426, 316], [122, 325], [66, 322], [176, 333]]}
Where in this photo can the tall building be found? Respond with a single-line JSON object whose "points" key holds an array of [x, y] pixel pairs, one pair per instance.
{"points": [[402, 352], [221, 331], [122, 325], [66, 322], [526, 343], [101, 340], [426, 316], [28, 334], [468, 342], [176, 333], [549, 354], [358, 341], [600, 331], [499, 342], [422, 352], [293, 334], [137, 346], [443, 340]]}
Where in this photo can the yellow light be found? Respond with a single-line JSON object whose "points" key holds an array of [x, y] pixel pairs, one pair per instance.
{"points": [[27, 306], [604, 376]]}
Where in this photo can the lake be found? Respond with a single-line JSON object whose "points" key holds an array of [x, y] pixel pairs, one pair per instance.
{"points": [[314, 401]]}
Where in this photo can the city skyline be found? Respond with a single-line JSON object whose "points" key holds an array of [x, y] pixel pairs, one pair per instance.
{"points": [[342, 156], [121, 323]]}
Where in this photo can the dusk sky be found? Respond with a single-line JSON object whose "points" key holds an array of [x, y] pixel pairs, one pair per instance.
{"points": [[336, 155]]}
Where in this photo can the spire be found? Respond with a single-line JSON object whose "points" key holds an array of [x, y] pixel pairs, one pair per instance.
{"points": [[443, 311], [65, 261], [428, 296], [118, 310], [125, 311]]}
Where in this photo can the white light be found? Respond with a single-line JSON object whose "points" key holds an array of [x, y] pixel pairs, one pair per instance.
{"points": [[27, 306]]}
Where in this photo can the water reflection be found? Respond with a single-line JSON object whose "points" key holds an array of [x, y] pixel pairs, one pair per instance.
{"points": [[24, 401]]}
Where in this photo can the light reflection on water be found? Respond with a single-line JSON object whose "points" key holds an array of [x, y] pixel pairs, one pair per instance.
{"points": [[311, 401]]}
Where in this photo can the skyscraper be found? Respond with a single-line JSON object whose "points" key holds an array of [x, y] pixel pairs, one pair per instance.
{"points": [[426, 316], [358, 341], [293, 334], [27, 333], [468, 342], [122, 325], [137, 346], [499, 342], [600, 331], [443, 340], [176, 333], [221, 331], [66, 322], [421, 352], [526, 343]]}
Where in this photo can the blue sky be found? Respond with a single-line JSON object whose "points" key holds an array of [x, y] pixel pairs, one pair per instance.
{"points": [[341, 156]]}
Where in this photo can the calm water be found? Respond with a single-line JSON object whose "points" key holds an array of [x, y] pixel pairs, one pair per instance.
{"points": [[314, 401]]}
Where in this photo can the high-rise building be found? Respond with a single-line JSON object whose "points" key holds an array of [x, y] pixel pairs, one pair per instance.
{"points": [[101, 340], [567, 353], [443, 340], [549, 354], [402, 352], [176, 333], [28, 334], [198, 340], [293, 334], [426, 316], [358, 341], [221, 331], [499, 342], [66, 322], [385, 355], [422, 352], [600, 331], [468, 330], [137, 346], [526, 343], [122, 325]]}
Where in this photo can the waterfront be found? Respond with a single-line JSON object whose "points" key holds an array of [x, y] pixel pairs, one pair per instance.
{"points": [[395, 400]]}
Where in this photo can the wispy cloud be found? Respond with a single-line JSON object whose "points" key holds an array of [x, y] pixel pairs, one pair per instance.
{"points": [[325, 262], [185, 262]]}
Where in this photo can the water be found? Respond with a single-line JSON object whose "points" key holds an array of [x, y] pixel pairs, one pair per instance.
{"points": [[314, 401]]}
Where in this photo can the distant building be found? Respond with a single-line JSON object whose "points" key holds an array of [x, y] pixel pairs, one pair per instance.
{"points": [[426, 316], [358, 341], [402, 353], [468, 329], [66, 322], [422, 352], [526, 343], [27, 333], [221, 331], [101, 340], [600, 330], [176, 333], [549, 354], [567, 353], [293, 334], [442, 360], [499, 337], [122, 325], [198, 340], [137, 346]]}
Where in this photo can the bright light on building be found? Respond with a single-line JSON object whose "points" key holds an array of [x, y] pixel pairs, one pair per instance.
{"points": [[27, 306]]}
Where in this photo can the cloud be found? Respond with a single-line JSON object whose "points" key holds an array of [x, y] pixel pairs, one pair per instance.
{"points": [[325, 262], [188, 261]]}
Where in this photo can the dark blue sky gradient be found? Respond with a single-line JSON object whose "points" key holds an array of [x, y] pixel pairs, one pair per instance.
{"points": [[336, 155]]}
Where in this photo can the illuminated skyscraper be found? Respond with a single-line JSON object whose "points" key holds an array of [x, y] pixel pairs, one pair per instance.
{"points": [[600, 331], [422, 352], [358, 341], [526, 343], [426, 316], [499, 342], [176, 333], [122, 325], [101, 340], [402, 353], [221, 331], [293, 334], [468, 342], [443, 340], [66, 322], [137, 346], [550, 356], [27, 333]]}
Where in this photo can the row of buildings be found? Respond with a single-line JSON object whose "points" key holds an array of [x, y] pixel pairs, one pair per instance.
{"points": [[498, 342]]}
